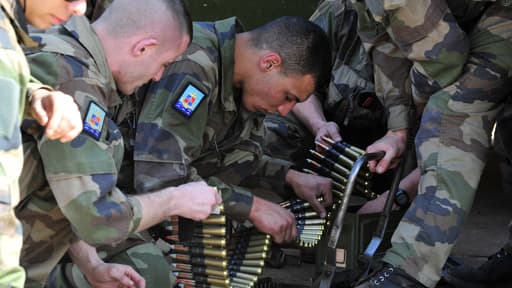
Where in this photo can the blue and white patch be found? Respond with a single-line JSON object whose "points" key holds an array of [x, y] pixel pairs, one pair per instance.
{"points": [[94, 119], [189, 100]]}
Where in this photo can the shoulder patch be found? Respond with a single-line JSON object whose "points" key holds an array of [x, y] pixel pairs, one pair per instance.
{"points": [[94, 119], [189, 99]]}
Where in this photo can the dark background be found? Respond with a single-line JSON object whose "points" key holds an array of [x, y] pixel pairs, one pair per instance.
{"points": [[251, 13]]}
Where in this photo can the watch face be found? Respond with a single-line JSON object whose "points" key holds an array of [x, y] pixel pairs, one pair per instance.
{"points": [[401, 198]]}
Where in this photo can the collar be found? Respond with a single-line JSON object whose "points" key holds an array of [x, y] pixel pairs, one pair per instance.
{"points": [[226, 31], [81, 30]]}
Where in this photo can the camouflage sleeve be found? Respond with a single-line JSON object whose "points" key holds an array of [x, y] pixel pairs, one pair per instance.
{"points": [[426, 33], [270, 172], [13, 85], [11, 160], [392, 83], [168, 140], [32, 86], [82, 174]]}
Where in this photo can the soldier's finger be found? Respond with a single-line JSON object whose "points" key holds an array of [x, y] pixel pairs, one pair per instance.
{"points": [[72, 134], [382, 165], [327, 195], [372, 166], [53, 128], [294, 233], [278, 237], [318, 207], [135, 279], [218, 199], [334, 133], [39, 113]]}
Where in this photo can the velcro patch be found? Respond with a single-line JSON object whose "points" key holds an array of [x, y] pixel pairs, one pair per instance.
{"points": [[94, 119], [189, 100]]}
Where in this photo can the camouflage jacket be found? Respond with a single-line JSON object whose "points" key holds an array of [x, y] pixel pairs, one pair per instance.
{"points": [[15, 78], [430, 34], [14, 68], [192, 125], [350, 99], [14, 64], [80, 177]]}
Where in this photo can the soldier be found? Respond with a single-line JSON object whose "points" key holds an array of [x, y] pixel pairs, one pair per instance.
{"points": [[69, 190], [348, 106], [48, 107], [204, 118], [461, 67], [349, 103]]}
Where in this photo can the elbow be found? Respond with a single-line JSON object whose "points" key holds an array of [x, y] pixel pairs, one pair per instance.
{"points": [[99, 225], [101, 235]]}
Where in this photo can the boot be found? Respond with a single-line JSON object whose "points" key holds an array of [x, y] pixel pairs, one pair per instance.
{"points": [[495, 272], [389, 276]]}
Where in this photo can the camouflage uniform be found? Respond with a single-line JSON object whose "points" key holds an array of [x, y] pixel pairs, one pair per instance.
{"points": [[69, 189], [14, 84], [219, 139], [350, 99], [460, 52]]}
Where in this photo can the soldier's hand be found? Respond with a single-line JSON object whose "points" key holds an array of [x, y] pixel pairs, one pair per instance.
{"points": [[393, 143], [309, 187], [274, 220], [329, 130], [196, 200], [111, 275], [58, 112]]}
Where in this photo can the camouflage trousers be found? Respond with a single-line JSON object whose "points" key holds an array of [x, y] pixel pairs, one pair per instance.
{"points": [[146, 258], [11, 160], [452, 145]]}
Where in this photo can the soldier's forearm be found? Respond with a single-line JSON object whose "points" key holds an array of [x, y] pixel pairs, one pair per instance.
{"points": [[310, 113], [84, 256], [157, 206]]}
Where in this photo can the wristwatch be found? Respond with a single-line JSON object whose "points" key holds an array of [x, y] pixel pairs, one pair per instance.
{"points": [[402, 198]]}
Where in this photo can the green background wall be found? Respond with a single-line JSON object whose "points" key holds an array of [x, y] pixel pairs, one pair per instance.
{"points": [[251, 12]]}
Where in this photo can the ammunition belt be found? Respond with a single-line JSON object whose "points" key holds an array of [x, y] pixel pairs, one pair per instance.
{"points": [[217, 254], [335, 161]]}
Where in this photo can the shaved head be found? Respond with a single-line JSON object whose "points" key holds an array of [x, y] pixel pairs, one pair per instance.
{"points": [[141, 37], [124, 17]]}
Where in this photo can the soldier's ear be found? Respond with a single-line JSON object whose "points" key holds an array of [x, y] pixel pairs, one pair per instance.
{"points": [[143, 46], [270, 61]]}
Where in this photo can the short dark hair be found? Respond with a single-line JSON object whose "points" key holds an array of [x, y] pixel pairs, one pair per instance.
{"points": [[303, 46]]}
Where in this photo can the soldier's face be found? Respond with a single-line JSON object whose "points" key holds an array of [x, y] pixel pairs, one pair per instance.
{"points": [[273, 92], [45, 13]]}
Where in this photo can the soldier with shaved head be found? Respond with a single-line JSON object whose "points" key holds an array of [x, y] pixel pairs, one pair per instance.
{"points": [[204, 118], [71, 191]]}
